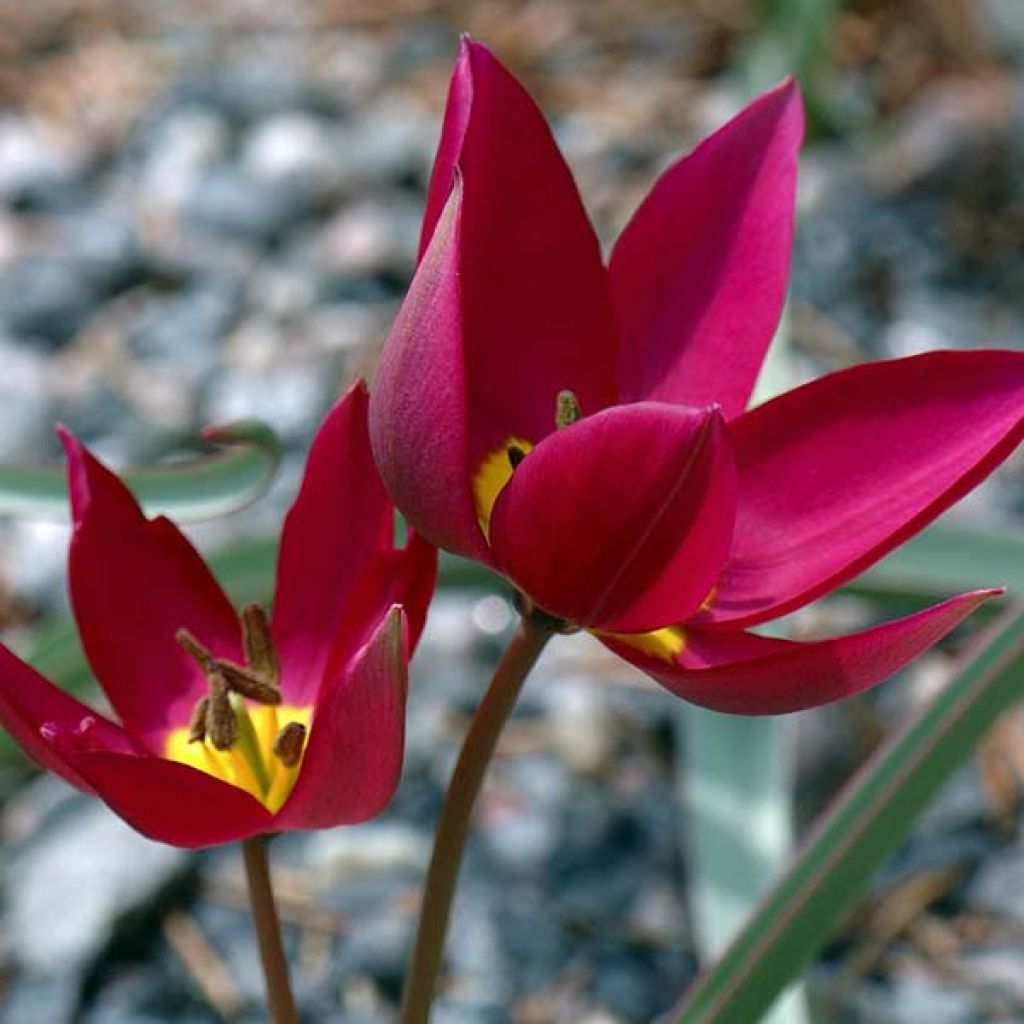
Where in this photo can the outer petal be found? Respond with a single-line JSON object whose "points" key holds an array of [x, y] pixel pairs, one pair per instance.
{"points": [[750, 675], [354, 755], [699, 274], [134, 583], [622, 520], [340, 522], [418, 418], [453, 131], [838, 472], [536, 311], [167, 801], [31, 708]]}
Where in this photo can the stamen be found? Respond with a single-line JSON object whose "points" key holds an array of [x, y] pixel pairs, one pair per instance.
{"points": [[221, 723], [289, 743], [259, 645], [515, 455], [197, 724], [246, 683], [200, 653], [567, 409]]}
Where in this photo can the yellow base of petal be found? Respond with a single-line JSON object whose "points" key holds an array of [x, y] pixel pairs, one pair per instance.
{"points": [[251, 763]]}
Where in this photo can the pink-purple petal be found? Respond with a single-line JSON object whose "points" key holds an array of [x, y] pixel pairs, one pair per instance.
{"points": [[835, 474], [134, 582], [536, 309], [418, 418], [622, 520], [744, 674], [699, 274], [340, 522], [354, 755]]}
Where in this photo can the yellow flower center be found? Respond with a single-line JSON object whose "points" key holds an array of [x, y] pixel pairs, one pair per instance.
{"points": [[250, 763], [240, 733]]}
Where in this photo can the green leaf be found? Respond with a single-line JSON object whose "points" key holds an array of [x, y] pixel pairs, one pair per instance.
{"points": [[945, 558], [737, 783], [863, 827], [198, 488]]}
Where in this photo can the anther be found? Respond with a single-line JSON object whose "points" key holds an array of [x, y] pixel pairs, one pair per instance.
{"points": [[246, 683], [289, 743], [198, 651], [515, 455], [259, 646], [197, 724], [567, 409], [221, 723]]}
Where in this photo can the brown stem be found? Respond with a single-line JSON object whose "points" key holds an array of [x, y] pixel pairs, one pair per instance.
{"points": [[453, 823], [280, 1000]]}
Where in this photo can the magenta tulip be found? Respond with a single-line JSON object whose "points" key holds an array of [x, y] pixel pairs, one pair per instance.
{"points": [[583, 429]]}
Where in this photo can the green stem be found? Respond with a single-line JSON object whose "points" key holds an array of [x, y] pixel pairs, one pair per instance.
{"points": [[453, 823], [280, 1000]]}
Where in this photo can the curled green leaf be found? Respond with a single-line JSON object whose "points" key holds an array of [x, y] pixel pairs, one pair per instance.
{"points": [[222, 481]]}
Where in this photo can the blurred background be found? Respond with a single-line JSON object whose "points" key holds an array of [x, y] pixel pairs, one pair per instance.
{"points": [[209, 210]]}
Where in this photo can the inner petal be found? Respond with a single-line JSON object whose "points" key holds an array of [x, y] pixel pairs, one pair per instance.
{"points": [[252, 766]]}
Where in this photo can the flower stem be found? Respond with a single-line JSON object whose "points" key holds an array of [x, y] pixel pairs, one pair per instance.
{"points": [[453, 823], [280, 1000]]}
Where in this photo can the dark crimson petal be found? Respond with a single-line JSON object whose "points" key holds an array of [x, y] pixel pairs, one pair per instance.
{"points": [[354, 754], [167, 801], [837, 473], [744, 674], [699, 275], [622, 520], [340, 522], [134, 583], [403, 577], [32, 708]]}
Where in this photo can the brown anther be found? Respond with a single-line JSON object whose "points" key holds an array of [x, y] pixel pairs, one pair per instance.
{"points": [[567, 409], [221, 723], [199, 652], [197, 724], [259, 645], [289, 743], [247, 683], [515, 455]]}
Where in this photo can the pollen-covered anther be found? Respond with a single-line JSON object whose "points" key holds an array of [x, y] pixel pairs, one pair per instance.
{"points": [[221, 721], [567, 409], [289, 743], [247, 683], [260, 654], [197, 724]]}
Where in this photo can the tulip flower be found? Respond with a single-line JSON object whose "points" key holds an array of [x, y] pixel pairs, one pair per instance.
{"points": [[584, 430], [235, 725]]}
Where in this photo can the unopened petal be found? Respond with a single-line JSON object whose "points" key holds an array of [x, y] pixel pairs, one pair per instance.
{"points": [[622, 520]]}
